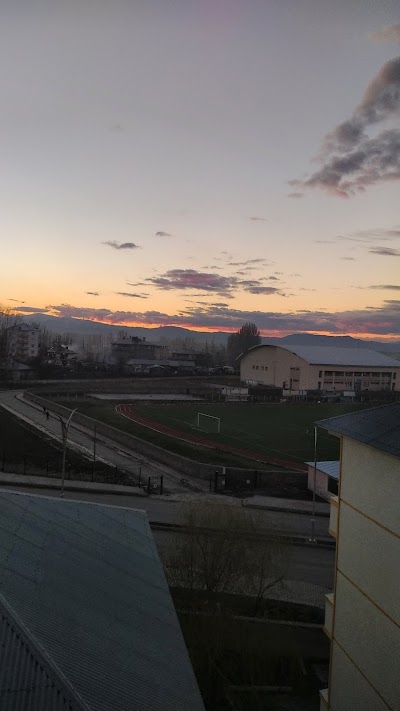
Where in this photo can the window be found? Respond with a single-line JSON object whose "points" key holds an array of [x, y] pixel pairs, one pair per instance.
{"points": [[358, 374], [339, 373], [349, 374], [394, 376], [256, 367], [320, 374], [329, 372]]}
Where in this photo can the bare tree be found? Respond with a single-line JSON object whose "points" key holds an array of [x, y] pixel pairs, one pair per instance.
{"points": [[221, 552]]}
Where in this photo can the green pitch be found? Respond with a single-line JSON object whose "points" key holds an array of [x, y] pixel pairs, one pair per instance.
{"points": [[284, 431]]}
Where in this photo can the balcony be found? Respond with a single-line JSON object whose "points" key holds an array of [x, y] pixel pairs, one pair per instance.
{"points": [[329, 602], [334, 513], [323, 700]]}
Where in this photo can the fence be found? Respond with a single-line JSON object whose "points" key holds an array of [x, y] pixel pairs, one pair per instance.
{"points": [[270, 482]]}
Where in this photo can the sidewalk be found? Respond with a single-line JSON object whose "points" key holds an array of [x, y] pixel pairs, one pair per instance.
{"points": [[290, 505], [44, 482]]}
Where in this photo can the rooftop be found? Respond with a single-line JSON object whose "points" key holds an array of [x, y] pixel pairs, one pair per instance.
{"points": [[85, 612], [331, 468], [333, 355], [378, 427]]}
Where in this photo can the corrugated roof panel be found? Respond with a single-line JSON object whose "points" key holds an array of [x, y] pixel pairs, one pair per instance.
{"points": [[87, 582], [25, 684], [331, 468]]}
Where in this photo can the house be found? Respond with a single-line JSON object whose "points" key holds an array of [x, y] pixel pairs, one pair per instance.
{"points": [[326, 476], [299, 369], [87, 622], [362, 616], [22, 342], [131, 347]]}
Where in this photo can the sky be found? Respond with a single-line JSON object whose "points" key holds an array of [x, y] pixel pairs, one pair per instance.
{"points": [[203, 163]]}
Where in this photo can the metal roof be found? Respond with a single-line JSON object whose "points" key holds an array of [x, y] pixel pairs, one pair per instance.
{"points": [[332, 355], [330, 468], [87, 585], [378, 427]]}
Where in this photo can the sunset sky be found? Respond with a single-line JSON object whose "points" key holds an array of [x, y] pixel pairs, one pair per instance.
{"points": [[203, 163]]}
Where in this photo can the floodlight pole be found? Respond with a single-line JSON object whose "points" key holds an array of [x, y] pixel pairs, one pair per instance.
{"points": [[313, 539], [64, 434]]}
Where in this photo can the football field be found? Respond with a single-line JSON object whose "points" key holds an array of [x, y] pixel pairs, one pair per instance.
{"points": [[282, 431]]}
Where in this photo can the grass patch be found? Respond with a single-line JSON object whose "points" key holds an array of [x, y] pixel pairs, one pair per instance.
{"points": [[279, 431], [282, 431]]}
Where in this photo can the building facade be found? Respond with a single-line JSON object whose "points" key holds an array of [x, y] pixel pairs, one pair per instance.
{"points": [[362, 616], [22, 342], [300, 369]]}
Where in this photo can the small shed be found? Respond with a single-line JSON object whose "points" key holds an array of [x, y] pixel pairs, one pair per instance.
{"points": [[326, 479]]}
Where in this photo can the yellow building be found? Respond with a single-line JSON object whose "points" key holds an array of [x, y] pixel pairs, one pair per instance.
{"points": [[299, 369], [362, 617]]}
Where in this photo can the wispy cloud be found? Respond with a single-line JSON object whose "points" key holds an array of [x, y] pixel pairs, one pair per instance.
{"points": [[295, 195], [385, 251], [17, 301], [92, 293], [389, 287], [352, 161], [258, 219], [121, 245], [388, 34], [348, 259], [132, 295], [192, 279], [161, 233]]}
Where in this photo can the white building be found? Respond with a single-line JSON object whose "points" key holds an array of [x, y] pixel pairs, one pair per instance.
{"points": [[326, 478], [298, 369], [22, 342], [362, 617]]}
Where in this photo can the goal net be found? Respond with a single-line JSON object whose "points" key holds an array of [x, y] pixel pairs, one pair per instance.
{"points": [[208, 423]]}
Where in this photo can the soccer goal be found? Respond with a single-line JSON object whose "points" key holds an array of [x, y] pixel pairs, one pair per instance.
{"points": [[208, 423]]}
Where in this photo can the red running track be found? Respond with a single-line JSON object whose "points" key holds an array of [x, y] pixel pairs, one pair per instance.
{"points": [[128, 410]]}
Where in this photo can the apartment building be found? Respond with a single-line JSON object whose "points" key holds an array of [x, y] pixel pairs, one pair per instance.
{"points": [[22, 342], [362, 616]]}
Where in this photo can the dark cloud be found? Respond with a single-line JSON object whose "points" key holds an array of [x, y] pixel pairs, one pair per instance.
{"points": [[131, 295], [385, 251], [30, 309], [258, 219], [388, 34], [380, 321], [92, 293], [192, 279], [161, 233], [121, 245], [389, 287], [263, 290], [352, 161]]}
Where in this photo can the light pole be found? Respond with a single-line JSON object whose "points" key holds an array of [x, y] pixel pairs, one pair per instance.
{"points": [[312, 539], [64, 434]]}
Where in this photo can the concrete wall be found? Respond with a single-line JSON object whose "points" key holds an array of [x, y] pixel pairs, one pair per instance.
{"points": [[365, 649]]}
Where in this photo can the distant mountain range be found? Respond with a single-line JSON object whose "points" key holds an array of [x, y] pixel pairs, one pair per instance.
{"points": [[64, 324]]}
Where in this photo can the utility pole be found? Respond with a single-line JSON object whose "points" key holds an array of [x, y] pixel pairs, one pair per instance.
{"points": [[94, 450], [312, 539], [64, 434]]}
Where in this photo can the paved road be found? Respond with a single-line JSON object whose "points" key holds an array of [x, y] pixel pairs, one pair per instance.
{"points": [[81, 439]]}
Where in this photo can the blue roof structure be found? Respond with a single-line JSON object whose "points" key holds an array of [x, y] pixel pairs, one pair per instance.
{"points": [[378, 427], [328, 467], [86, 618]]}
